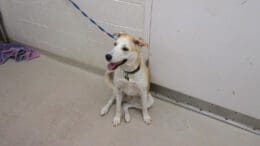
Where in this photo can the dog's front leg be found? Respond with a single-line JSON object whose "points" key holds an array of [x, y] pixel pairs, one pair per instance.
{"points": [[106, 108], [119, 96], [146, 117]]}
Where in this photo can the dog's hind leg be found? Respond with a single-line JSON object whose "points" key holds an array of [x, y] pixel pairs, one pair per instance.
{"points": [[147, 102], [150, 100], [106, 108]]}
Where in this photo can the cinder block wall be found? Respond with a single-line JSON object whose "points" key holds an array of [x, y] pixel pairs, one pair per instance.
{"points": [[55, 26]]}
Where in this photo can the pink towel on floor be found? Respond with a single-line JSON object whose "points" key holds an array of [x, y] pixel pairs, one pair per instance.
{"points": [[16, 51]]}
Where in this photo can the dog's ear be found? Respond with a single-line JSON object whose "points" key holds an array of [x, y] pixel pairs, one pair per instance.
{"points": [[140, 42], [118, 34]]}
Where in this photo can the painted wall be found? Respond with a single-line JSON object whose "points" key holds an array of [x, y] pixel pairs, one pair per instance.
{"points": [[209, 49], [55, 26]]}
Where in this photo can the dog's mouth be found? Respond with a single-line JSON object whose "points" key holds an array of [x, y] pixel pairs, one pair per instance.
{"points": [[112, 66]]}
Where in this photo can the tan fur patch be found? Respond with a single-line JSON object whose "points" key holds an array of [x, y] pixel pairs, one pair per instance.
{"points": [[138, 41]]}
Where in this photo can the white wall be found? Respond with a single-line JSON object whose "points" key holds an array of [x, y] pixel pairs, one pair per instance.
{"points": [[209, 49], [57, 27]]}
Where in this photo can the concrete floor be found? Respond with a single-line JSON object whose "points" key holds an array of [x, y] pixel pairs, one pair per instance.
{"points": [[47, 103]]}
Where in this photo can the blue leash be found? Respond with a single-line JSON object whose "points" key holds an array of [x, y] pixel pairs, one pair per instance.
{"points": [[91, 20]]}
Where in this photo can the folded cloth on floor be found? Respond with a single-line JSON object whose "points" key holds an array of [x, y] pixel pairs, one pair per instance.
{"points": [[16, 51]]}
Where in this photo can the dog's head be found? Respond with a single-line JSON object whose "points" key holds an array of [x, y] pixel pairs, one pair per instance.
{"points": [[126, 50]]}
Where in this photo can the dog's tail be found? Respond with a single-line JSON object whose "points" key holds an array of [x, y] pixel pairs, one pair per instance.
{"points": [[109, 79]]}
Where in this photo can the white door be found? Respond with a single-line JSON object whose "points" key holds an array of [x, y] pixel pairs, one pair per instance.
{"points": [[208, 49]]}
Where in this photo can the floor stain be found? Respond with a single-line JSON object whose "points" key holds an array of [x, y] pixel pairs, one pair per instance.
{"points": [[244, 2]]}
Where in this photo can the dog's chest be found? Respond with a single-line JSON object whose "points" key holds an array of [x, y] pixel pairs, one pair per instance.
{"points": [[129, 86]]}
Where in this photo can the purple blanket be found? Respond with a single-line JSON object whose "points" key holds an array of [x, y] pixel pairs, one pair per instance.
{"points": [[16, 51]]}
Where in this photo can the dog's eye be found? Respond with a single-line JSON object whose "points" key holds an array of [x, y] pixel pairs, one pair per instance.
{"points": [[125, 49], [115, 43]]}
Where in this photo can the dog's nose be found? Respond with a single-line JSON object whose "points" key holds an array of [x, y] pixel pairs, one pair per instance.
{"points": [[108, 57]]}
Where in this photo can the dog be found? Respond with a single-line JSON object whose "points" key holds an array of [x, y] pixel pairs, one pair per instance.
{"points": [[129, 77]]}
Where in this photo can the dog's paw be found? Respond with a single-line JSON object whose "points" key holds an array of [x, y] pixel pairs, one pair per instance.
{"points": [[116, 121], [103, 111], [147, 119], [127, 118]]}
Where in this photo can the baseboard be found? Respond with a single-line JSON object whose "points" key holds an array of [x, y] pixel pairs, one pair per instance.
{"points": [[66, 60], [217, 112], [72, 62]]}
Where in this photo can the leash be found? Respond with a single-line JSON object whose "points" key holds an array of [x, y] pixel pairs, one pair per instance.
{"points": [[91, 20]]}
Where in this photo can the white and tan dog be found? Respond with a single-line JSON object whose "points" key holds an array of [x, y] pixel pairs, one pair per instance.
{"points": [[128, 76]]}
